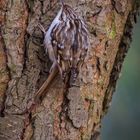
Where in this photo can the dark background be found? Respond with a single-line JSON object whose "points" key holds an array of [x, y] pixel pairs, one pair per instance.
{"points": [[122, 121]]}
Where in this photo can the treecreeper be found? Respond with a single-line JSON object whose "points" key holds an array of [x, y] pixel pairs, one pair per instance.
{"points": [[66, 41]]}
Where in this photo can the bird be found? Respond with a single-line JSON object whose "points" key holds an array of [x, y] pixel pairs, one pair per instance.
{"points": [[66, 42]]}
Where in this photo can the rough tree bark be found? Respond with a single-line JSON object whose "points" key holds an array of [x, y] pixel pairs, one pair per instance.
{"points": [[74, 114]]}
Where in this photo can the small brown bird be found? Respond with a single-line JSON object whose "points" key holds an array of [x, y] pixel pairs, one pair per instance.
{"points": [[67, 42]]}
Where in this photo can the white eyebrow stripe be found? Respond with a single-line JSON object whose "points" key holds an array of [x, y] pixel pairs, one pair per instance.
{"points": [[54, 23]]}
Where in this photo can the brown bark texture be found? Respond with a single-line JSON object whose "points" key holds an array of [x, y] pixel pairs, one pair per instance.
{"points": [[75, 113]]}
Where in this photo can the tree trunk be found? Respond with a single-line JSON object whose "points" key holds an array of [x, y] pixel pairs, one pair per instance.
{"points": [[75, 113]]}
